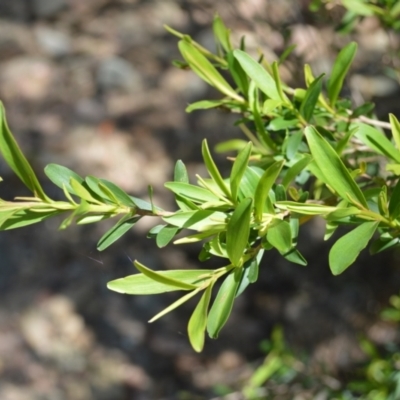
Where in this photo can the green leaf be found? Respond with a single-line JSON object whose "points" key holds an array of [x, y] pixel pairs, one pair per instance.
{"points": [[61, 176], [140, 284], [230, 145], [334, 172], [376, 140], [204, 105], [176, 304], [82, 192], [296, 257], [339, 71], [198, 321], [162, 278], [16, 160], [222, 33], [22, 218], [238, 74], [280, 236], [359, 7], [311, 98], [223, 303], [194, 193], [293, 144], [258, 74], [200, 220], [205, 70], [212, 168], [264, 186], [93, 184], [121, 195], [278, 83], [250, 273], [165, 235], [394, 203], [295, 170], [395, 124], [180, 172], [238, 230], [118, 230], [395, 168], [340, 213], [345, 251], [305, 208], [239, 168]]}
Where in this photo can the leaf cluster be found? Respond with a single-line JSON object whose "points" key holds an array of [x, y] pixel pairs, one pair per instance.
{"points": [[307, 154]]}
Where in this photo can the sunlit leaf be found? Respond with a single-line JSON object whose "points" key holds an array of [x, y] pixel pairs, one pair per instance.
{"points": [[194, 193], [140, 284], [164, 279], [258, 74], [395, 124], [16, 160], [339, 71], [200, 220], [332, 168], [264, 186], [280, 236], [205, 70], [165, 235], [359, 7], [345, 251], [61, 176], [222, 33], [238, 230], [239, 168]]}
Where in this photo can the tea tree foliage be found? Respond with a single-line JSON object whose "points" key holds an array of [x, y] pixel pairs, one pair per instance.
{"points": [[307, 153]]}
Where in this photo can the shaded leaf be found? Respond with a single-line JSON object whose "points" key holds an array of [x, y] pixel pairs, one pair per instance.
{"points": [[118, 230], [280, 236], [311, 98], [121, 195], [198, 321], [345, 251], [223, 303], [295, 170]]}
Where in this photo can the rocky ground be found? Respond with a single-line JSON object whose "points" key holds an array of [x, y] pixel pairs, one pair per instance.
{"points": [[89, 85]]}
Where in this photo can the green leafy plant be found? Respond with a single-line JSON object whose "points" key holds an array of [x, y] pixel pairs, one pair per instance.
{"points": [[307, 154]]}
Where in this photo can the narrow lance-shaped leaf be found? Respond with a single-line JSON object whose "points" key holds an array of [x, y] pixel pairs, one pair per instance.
{"points": [[311, 98], [332, 168], [339, 71], [295, 170], [196, 194], [222, 33], [165, 235], [201, 66], [140, 284], [376, 140], [223, 303], [212, 168], [117, 231], [16, 160], [161, 278], [345, 251], [176, 304], [264, 186], [238, 169], [180, 172], [198, 321], [280, 236], [258, 74], [394, 203], [395, 124], [61, 176], [238, 230]]}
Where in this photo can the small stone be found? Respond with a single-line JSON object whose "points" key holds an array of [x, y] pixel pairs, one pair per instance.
{"points": [[117, 73], [53, 42]]}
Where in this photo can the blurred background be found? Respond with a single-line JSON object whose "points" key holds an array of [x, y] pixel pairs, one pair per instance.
{"points": [[90, 85]]}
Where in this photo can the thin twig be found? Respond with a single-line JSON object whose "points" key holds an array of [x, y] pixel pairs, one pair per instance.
{"points": [[370, 121]]}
